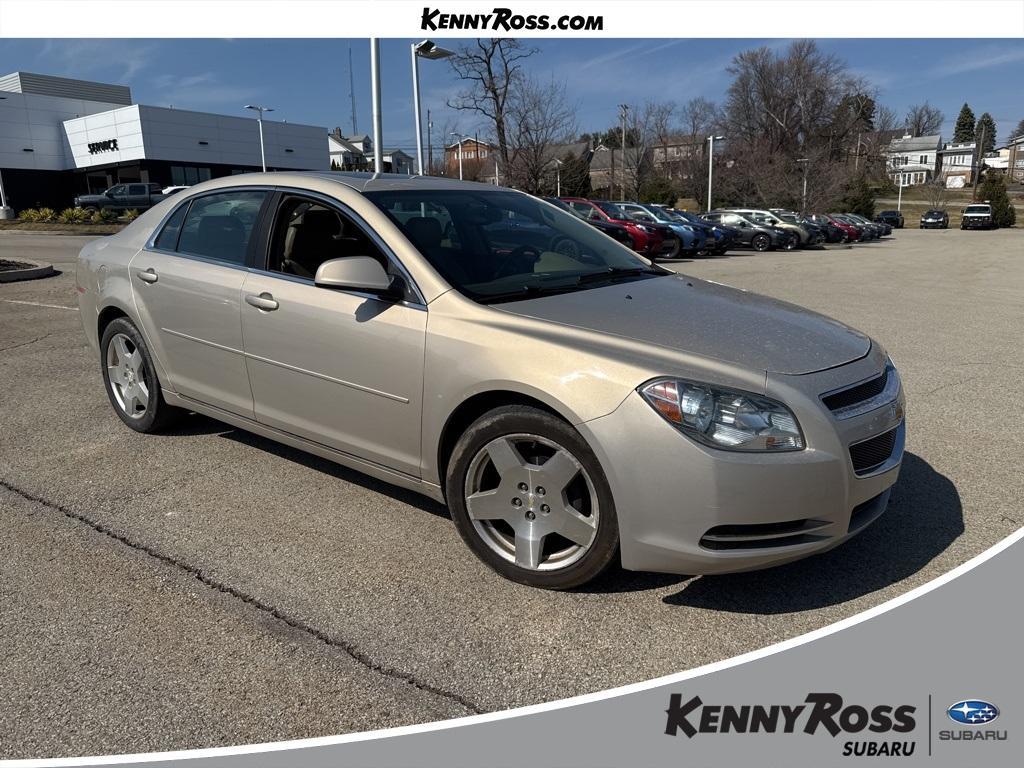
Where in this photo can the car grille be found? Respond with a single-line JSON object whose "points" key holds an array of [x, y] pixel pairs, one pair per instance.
{"points": [[874, 452], [856, 394]]}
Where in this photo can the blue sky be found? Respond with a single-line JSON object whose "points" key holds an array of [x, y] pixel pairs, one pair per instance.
{"points": [[307, 81]]}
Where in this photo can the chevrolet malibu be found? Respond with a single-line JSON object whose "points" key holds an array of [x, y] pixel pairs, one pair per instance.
{"points": [[572, 403]]}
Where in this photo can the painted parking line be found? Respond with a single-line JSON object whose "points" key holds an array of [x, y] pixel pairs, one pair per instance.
{"points": [[37, 304]]}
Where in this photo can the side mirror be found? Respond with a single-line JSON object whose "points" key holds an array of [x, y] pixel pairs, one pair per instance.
{"points": [[358, 273]]}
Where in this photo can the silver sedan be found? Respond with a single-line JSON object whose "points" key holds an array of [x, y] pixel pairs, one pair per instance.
{"points": [[571, 402]]}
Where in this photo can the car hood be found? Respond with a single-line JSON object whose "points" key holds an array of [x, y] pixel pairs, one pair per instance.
{"points": [[706, 319]]}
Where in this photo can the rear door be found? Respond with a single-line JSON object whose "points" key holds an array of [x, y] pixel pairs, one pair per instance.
{"points": [[187, 283], [138, 196]]}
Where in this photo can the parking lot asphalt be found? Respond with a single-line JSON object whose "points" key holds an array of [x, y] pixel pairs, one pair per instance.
{"points": [[208, 587]]}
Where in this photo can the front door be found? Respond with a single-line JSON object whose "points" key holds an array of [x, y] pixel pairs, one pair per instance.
{"points": [[188, 286], [340, 368]]}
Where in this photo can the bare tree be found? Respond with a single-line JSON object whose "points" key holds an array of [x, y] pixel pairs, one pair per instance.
{"points": [[923, 119], [938, 194], [490, 68], [539, 119]]}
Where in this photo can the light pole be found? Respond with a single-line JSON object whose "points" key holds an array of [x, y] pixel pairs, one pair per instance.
{"points": [[378, 147], [261, 110], [623, 111], [558, 177], [425, 49], [899, 197], [804, 161], [460, 137], [711, 160]]}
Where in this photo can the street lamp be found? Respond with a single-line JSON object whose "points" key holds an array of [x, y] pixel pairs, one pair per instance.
{"points": [[425, 49], [558, 177], [460, 137], [261, 110], [711, 161], [804, 161]]}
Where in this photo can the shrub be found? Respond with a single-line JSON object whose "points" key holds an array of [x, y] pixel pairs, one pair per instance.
{"points": [[29, 214], [993, 189], [131, 214], [46, 214], [73, 216], [97, 217]]}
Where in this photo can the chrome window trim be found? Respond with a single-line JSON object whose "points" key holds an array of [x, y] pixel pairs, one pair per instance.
{"points": [[887, 396]]}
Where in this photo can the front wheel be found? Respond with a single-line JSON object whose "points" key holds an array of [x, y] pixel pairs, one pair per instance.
{"points": [[790, 244], [761, 242], [530, 499]]}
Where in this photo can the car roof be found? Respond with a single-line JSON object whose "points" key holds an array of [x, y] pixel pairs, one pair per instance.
{"points": [[361, 182]]}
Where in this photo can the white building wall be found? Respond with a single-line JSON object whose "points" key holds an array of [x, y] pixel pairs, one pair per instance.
{"points": [[34, 122]]}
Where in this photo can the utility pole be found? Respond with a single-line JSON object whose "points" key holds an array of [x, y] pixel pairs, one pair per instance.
{"points": [[352, 91], [803, 200], [378, 149], [979, 152], [430, 147], [623, 111]]}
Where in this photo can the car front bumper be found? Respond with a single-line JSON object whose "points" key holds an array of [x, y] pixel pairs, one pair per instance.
{"points": [[968, 223], [687, 508]]}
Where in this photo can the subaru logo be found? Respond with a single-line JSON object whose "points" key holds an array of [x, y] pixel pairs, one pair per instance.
{"points": [[973, 712]]}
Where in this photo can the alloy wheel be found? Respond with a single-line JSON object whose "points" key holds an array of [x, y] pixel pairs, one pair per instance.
{"points": [[127, 376], [532, 502]]}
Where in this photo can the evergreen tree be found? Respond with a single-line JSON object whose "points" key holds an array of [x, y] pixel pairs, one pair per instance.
{"points": [[965, 123], [993, 189], [1018, 131], [575, 171], [988, 142], [858, 197]]}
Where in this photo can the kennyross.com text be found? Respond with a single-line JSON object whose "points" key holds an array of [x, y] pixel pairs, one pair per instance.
{"points": [[505, 20]]}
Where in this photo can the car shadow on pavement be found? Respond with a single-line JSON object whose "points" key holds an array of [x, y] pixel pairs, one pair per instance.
{"points": [[924, 517]]}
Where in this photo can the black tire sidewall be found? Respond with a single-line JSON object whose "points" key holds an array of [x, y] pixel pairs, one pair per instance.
{"points": [[157, 411], [515, 419], [761, 242]]}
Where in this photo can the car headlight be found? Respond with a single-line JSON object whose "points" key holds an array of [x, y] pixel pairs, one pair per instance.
{"points": [[724, 418], [642, 228]]}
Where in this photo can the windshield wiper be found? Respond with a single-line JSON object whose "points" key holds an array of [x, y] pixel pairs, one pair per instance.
{"points": [[615, 273]]}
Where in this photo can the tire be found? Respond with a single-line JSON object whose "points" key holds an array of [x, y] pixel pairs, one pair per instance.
{"points": [[791, 244], [130, 379], [474, 482], [761, 242]]}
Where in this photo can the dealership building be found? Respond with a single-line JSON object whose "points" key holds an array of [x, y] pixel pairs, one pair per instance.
{"points": [[60, 137]]}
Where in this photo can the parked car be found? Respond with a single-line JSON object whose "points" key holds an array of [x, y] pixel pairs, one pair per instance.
{"points": [[935, 219], [691, 239], [882, 228], [720, 238], [977, 216], [614, 231], [763, 216], [573, 411], [818, 234], [850, 232], [893, 218], [867, 232], [873, 230], [122, 197], [760, 237], [650, 240]]}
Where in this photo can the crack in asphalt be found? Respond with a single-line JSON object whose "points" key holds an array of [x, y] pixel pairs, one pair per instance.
{"points": [[254, 602], [26, 343]]}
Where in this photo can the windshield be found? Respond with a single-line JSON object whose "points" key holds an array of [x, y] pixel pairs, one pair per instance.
{"points": [[933, 213], [611, 209], [977, 209], [502, 246]]}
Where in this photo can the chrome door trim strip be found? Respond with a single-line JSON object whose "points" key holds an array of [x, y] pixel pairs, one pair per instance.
{"points": [[325, 377], [196, 339]]}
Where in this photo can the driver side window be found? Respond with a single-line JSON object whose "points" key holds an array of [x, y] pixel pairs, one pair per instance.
{"points": [[307, 233]]}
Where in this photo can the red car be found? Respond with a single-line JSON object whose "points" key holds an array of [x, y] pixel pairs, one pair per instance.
{"points": [[650, 240], [851, 232]]}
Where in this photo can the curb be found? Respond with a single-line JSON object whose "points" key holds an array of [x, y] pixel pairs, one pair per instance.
{"points": [[34, 272]]}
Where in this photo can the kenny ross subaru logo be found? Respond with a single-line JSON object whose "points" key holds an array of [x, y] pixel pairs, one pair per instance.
{"points": [[973, 712]]}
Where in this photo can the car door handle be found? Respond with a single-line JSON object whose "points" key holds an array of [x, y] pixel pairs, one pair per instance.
{"points": [[148, 275], [264, 301]]}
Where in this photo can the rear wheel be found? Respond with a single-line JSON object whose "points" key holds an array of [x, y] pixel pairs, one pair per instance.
{"points": [[530, 499], [791, 244], [130, 379], [761, 243]]}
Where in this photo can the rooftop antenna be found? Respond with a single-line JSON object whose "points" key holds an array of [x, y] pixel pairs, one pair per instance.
{"points": [[352, 91]]}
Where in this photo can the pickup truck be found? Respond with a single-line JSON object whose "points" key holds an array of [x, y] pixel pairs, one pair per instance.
{"points": [[123, 197]]}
